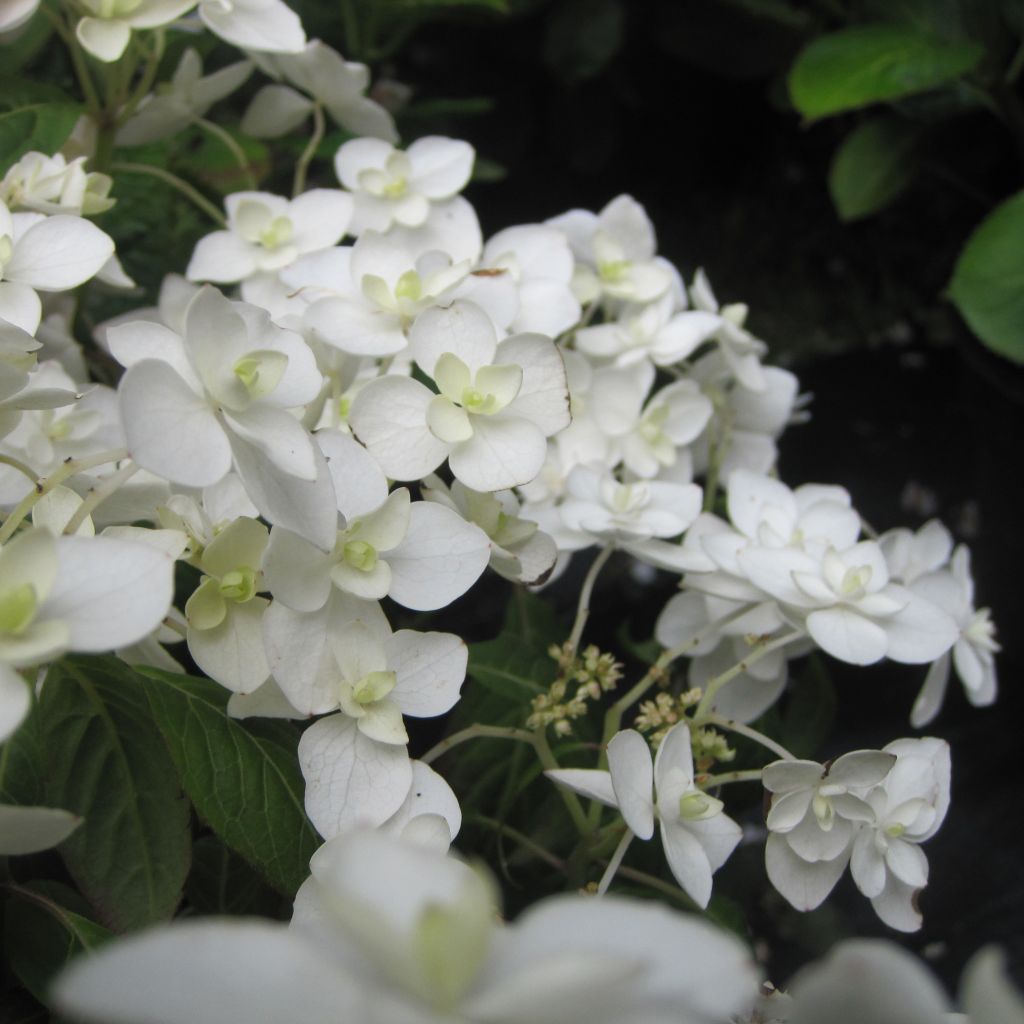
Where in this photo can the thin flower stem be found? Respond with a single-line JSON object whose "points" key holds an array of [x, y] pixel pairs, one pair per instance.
{"points": [[302, 167], [613, 864], [714, 685], [146, 80], [583, 605], [711, 781], [43, 487], [745, 730], [231, 144], [569, 798], [523, 840], [99, 494], [21, 467], [89, 91], [535, 738], [478, 731], [656, 883], [177, 183]]}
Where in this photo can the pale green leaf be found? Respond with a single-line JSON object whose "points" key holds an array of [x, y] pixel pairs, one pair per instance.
{"points": [[988, 280], [867, 64]]}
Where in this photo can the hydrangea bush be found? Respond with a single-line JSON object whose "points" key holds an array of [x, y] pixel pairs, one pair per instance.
{"points": [[347, 409]]}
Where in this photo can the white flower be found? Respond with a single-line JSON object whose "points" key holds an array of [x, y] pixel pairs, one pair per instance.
{"points": [[741, 350], [49, 184], [267, 232], [14, 13], [195, 405], [637, 517], [224, 613], [386, 931], [374, 676], [262, 25], [973, 653], [908, 806], [497, 403], [184, 99], [394, 186], [49, 254], [814, 816], [323, 74], [106, 30], [616, 249], [696, 835]]}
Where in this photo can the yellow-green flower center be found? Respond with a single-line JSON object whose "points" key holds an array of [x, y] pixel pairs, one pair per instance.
{"points": [[360, 555], [18, 608]]}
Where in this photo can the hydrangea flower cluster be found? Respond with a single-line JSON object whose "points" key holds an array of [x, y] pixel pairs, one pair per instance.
{"points": [[352, 396]]}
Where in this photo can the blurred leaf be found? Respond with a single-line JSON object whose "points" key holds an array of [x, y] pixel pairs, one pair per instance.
{"points": [[488, 170], [582, 37], [21, 780], [427, 6], [42, 936], [42, 126], [810, 710], [868, 64], [106, 761], [245, 785], [988, 280], [17, 92], [875, 163], [210, 162], [222, 883], [25, 44], [456, 106]]}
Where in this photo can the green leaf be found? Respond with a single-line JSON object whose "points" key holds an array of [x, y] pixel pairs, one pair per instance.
{"points": [[43, 126], [245, 784], [872, 167], [988, 280], [42, 935], [222, 883], [105, 760], [582, 37], [28, 42], [869, 64]]}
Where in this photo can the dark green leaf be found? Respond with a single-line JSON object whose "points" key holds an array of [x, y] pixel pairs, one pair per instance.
{"points": [[872, 167], [17, 92], [873, 63], [21, 778], [222, 883], [988, 280], [26, 44], [246, 786], [582, 37], [42, 935], [43, 126], [105, 760]]}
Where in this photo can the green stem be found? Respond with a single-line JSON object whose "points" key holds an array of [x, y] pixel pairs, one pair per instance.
{"points": [[478, 731], [68, 469], [21, 467], [759, 651], [711, 781], [302, 167], [615, 862], [523, 840], [745, 730], [176, 183], [99, 494], [146, 80], [569, 798], [583, 605], [88, 86], [231, 144], [664, 887], [350, 28]]}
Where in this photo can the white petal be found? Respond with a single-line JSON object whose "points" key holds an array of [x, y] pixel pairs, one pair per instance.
{"points": [[596, 785], [350, 779], [921, 632], [110, 593], [233, 653], [31, 829], [171, 430], [503, 452], [58, 253], [687, 861], [867, 865], [440, 167], [463, 330], [105, 38], [14, 701], [389, 416], [222, 256], [197, 972], [271, 26], [19, 305], [804, 885], [441, 557], [632, 772], [297, 572], [430, 667], [847, 636], [896, 905], [275, 110]]}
